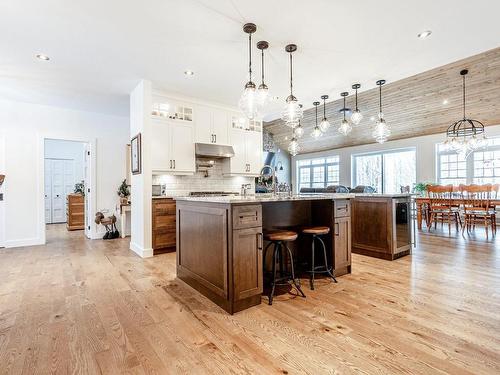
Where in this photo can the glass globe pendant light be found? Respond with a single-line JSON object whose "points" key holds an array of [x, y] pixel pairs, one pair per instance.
{"points": [[324, 124], [298, 131], [263, 90], [356, 115], [292, 112], [381, 131], [248, 103], [345, 127], [294, 147], [316, 133], [466, 135]]}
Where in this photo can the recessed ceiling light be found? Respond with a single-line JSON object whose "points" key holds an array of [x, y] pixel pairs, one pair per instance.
{"points": [[43, 57], [445, 101], [424, 34], [372, 118], [188, 73]]}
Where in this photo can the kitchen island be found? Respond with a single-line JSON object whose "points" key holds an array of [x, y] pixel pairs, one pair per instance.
{"points": [[220, 240]]}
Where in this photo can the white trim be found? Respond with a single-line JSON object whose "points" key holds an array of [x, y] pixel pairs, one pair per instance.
{"points": [[25, 242], [143, 253]]}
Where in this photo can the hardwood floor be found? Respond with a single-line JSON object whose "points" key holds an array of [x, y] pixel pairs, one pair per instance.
{"points": [[91, 307]]}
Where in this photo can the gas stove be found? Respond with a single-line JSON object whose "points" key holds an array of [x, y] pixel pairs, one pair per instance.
{"points": [[212, 194]]}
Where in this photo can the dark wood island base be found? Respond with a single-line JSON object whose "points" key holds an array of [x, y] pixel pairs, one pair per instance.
{"points": [[220, 242]]}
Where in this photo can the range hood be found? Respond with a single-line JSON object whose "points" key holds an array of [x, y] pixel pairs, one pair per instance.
{"points": [[213, 151]]}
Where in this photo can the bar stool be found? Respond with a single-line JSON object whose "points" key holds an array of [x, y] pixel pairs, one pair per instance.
{"points": [[279, 239], [316, 232]]}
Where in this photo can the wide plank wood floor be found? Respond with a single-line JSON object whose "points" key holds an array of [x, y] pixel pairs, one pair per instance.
{"points": [[77, 306]]}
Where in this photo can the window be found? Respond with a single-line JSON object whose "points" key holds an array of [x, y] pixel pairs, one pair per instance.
{"points": [[385, 171], [318, 173], [481, 167]]}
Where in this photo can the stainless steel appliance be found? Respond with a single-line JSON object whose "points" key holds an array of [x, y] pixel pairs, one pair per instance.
{"points": [[158, 190]]}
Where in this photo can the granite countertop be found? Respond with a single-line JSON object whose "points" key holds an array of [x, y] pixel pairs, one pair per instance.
{"points": [[377, 195], [263, 198]]}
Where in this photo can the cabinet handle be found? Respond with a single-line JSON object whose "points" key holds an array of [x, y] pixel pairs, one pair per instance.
{"points": [[337, 229], [174, 163], [248, 167], [170, 164], [215, 138], [260, 241]]}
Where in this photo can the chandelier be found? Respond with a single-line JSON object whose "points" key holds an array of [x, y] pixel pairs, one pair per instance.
{"points": [[466, 135], [382, 131], [298, 131], [248, 103], [292, 112], [344, 128]]}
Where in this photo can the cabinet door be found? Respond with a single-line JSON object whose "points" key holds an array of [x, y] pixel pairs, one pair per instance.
{"points": [[239, 160], [182, 148], [160, 146], [220, 126], [254, 152], [247, 262], [203, 124], [342, 242]]}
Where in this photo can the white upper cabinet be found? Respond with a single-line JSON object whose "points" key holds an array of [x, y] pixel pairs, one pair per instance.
{"points": [[172, 147], [247, 147], [212, 125]]}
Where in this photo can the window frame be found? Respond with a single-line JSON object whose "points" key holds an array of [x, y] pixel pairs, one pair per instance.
{"points": [[311, 166], [381, 153]]}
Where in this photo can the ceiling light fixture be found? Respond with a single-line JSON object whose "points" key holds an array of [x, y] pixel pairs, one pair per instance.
{"points": [[248, 100], [188, 73], [424, 34], [324, 125], [356, 115], [299, 130], [462, 135], [292, 112], [382, 131], [316, 133], [344, 128], [263, 90], [43, 57]]}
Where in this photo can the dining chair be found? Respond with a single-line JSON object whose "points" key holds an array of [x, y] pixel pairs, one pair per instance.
{"points": [[442, 207], [477, 207]]}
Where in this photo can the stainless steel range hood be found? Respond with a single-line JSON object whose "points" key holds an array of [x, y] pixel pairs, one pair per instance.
{"points": [[213, 151]]}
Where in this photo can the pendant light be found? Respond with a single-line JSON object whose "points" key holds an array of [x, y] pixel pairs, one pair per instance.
{"points": [[298, 131], [324, 125], [248, 101], [344, 128], [356, 115], [462, 135], [263, 90], [382, 131], [316, 133], [292, 112]]}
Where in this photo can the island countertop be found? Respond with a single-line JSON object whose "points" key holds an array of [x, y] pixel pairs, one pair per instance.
{"points": [[265, 198]]}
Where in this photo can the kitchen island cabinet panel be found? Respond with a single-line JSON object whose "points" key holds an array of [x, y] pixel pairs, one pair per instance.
{"points": [[247, 263], [342, 245]]}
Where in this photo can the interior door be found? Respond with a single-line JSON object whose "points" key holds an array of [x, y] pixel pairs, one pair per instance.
{"points": [[48, 191], [220, 126], [69, 179], [182, 147], [58, 195], [160, 146], [253, 144]]}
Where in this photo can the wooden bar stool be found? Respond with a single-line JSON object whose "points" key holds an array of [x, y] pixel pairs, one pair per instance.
{"points": [[315, 232], [284, 274]]}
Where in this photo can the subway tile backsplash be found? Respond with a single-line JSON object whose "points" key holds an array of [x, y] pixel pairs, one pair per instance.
{"points": [[183, 185]]}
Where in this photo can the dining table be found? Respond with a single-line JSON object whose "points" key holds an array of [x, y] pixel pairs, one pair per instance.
{"points": [[421, 202]]}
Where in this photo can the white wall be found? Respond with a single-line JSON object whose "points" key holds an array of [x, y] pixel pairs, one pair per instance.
{"points": [[24, 127], [71, 150], [425, 154]]}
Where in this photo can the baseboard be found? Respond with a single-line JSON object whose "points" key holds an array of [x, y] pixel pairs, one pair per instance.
{"points": [[24, 242], [143, 253]]}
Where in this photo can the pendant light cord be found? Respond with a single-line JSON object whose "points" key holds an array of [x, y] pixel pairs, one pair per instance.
{"points": [[344, 108], [316, 115], [464, 94], [250, 56], [380, 98], [262, 65], [356, 100], [291, 75], [324, 109]]}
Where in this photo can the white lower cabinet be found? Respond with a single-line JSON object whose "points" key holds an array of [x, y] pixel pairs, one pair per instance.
{"points": [[172, 147], [247, 159]]}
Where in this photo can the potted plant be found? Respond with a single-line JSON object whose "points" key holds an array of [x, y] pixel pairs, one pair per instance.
{"points": [[80, 188], [123, 192], [421, 188]]}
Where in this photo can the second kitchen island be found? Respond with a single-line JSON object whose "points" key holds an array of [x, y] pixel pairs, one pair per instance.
{"points": [[220, 240]]}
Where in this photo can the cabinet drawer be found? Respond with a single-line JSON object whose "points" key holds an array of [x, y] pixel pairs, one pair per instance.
{"points": [[162, 221], [247, 216], [342, 208], [164, 239]]}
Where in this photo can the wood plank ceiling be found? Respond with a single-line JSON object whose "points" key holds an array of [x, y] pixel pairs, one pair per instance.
{"points": [[412, 106]]}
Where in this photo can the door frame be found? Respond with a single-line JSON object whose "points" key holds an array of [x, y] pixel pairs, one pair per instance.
{"points": [[92, 197], [2, 210]]}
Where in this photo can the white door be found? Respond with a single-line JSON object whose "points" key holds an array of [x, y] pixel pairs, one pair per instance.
{"points": [[220, 126], [182, 148], [239, 161], [254, 152], [203, 123], [48, 191], [160, 150], [2, 192], [88, 192]]}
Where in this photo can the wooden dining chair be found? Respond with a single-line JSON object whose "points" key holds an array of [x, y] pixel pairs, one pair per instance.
{"points": [[477, 207], [442, 207]]}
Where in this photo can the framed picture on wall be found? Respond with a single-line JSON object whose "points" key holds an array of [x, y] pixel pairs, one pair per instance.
{"points": [[135, 154]]}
